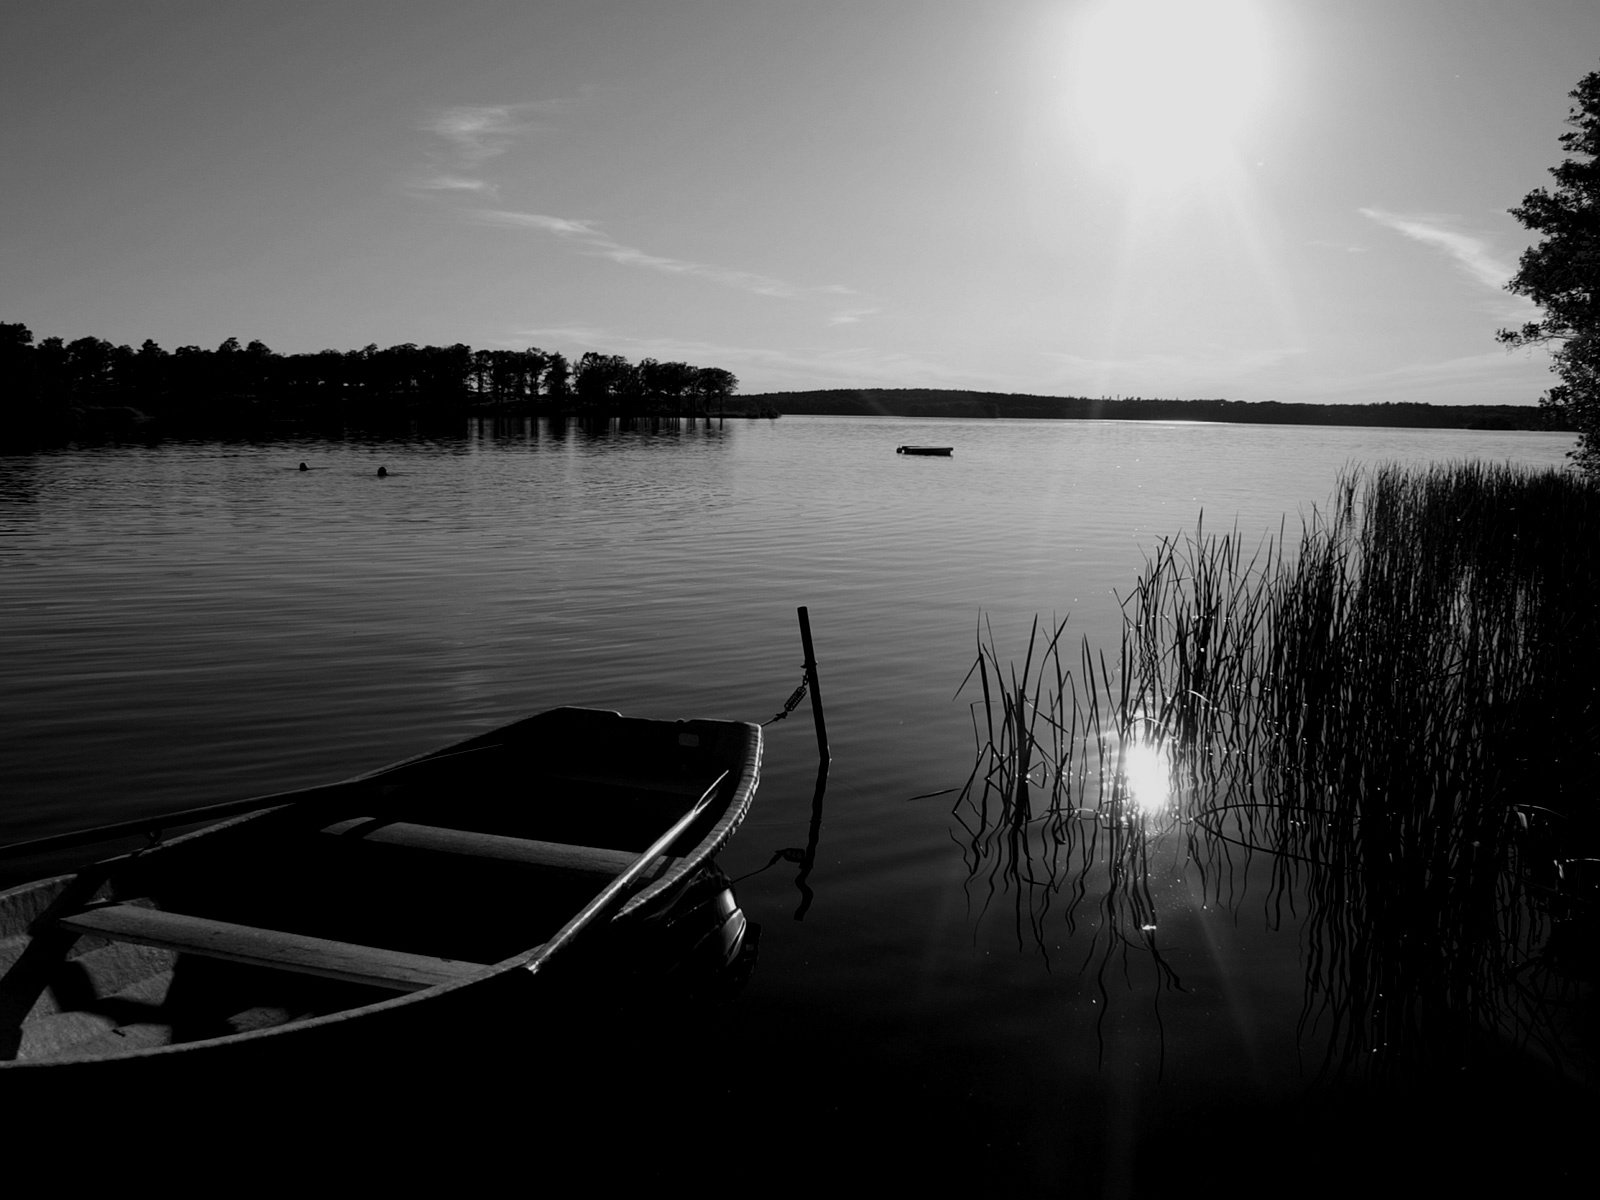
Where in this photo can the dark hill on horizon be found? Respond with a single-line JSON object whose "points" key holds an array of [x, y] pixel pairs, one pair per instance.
{"points": [[935, 402]]}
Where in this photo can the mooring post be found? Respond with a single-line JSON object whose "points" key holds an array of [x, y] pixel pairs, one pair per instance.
{"points": [[811, 681]]}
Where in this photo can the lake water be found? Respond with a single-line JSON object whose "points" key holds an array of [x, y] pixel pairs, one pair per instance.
{"points": [[193, 622]]}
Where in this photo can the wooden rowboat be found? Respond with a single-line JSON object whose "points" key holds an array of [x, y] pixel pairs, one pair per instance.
{"points": [[944, 451], [481, 872]]}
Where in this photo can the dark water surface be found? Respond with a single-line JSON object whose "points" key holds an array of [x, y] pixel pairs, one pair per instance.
{"points": [[189, 623]]}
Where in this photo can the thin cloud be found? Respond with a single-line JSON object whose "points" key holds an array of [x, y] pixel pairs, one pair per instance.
{"points": [[457, 183], [1343, 247], [1469, 253], [560, 226], [469, 136], [475, 133], [588, 235], [852, 316]]}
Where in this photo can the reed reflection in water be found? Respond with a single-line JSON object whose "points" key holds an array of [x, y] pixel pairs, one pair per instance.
{"points": [[1396, 718]]}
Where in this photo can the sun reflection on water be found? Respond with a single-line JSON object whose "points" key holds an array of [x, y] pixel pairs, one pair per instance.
{"points": [[1146, 775]]}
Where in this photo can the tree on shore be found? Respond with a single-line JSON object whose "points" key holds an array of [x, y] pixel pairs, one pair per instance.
{"points": [[1561, 274]]}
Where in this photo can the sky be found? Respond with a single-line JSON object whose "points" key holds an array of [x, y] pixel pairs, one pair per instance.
{"points": [[1294, 200]]}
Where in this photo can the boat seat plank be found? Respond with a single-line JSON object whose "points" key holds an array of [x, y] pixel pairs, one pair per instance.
{"points": [[588, 860], [369, 965], [650, 785]]}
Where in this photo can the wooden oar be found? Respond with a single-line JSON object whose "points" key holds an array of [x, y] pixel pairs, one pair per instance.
{"points": [[228, 808], [614, 890]]}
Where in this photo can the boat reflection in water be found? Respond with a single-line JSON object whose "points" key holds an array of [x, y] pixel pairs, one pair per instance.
{"points": [[700, 945]]}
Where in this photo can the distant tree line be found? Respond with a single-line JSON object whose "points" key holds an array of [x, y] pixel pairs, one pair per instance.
{"points": [[932, 402], [52, 389]]}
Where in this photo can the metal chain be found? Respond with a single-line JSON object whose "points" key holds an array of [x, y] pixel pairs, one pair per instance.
{"points": [[791, 703]]}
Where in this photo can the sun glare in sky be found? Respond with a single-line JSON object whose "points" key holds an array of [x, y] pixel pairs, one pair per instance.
{"points": [[1163, 87]]}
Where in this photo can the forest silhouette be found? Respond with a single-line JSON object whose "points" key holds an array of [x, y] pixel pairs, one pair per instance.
{"points": [[53, 390]]}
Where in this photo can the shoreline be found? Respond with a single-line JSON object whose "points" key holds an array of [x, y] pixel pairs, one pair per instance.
{"points": [[936, 403]]}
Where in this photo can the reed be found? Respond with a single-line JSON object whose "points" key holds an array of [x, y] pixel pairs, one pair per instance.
{"points": [[1395, 716]]}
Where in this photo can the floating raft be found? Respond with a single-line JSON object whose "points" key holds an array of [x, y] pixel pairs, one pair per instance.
{"points": [[945, 451]]}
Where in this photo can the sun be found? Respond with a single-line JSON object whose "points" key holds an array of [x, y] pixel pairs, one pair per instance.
{"points": [[1164, 87]]}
